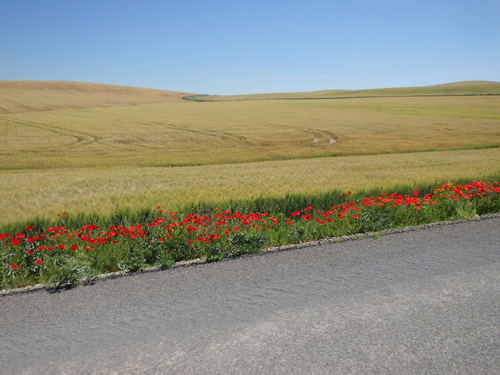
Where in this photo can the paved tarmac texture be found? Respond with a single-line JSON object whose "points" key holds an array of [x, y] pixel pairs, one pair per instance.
{"points": [[419, 302]]}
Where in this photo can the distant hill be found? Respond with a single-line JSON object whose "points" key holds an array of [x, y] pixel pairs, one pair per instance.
{"points": [[457, 88], [25, 96]]}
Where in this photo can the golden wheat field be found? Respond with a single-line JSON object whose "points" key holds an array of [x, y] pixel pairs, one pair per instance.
{"points": [[98, 148]]}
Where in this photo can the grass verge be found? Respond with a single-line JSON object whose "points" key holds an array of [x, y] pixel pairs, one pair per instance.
{"points": [[66, 250]]}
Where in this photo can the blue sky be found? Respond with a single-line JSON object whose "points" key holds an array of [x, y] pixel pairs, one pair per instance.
{"points": [[243, 47]]}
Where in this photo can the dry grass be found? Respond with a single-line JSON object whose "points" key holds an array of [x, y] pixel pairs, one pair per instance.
{"points": [[187, 133], [457, 88], [26, 96], [97, 152], [44, 193]]}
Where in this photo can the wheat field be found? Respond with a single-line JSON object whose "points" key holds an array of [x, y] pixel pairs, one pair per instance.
{"points": [[98, 148]]}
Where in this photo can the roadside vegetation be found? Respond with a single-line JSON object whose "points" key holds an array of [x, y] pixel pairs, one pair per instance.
{"points": [[66, 251], [107, 155]]}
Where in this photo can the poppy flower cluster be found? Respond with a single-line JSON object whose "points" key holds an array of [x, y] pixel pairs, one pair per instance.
{"points": [[29, 249]]}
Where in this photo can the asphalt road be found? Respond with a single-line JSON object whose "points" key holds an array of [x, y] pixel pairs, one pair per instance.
{"points": [[421, 302]]}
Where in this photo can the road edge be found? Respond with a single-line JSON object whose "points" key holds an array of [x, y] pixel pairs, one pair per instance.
{"points": [[199, 261]]}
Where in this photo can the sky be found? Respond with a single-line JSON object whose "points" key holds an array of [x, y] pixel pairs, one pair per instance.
{"points": [[226, 47]]}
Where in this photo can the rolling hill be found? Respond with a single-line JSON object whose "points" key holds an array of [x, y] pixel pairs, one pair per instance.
{"points": [[83, 147], [27, 96], [457, 88]]}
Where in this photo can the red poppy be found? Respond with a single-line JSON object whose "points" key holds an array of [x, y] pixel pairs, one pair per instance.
{"points": [[13, 266], [38, 261]]}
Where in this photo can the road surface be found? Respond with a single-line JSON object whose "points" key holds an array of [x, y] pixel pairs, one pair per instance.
{"points": [[420, 302]]}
